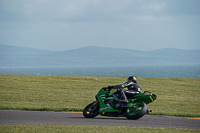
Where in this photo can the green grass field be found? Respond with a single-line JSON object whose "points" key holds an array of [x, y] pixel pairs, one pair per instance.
{"points": [[87, 129], [176, 97]]}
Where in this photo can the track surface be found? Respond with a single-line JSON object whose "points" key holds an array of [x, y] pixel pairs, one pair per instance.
{"points": [[13, 117]]}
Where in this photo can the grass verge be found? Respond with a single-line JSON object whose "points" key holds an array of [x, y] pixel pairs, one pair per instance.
{"points": [[87, 129], [176, 97]]}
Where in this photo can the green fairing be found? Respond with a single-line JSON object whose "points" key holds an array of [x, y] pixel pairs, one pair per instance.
{"points": [[103, 96]]}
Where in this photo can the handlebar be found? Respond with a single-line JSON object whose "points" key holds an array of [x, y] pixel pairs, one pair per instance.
{"points": [[106, 89]]}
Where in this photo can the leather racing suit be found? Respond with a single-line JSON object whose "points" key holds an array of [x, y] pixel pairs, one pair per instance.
{"points": [[133, 88]]}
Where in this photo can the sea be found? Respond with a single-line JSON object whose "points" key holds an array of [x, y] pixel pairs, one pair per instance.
{"points": [[146, 71]]}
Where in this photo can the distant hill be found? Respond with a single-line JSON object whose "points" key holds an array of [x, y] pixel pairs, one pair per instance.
{"points": [[95, 56], [7, 50]]}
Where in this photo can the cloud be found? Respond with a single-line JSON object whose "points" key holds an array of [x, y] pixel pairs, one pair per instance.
{"points": [[78, 10], [154, 8], [75, 23]]}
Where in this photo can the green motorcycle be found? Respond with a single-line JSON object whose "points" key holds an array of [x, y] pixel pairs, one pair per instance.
{"points": [[108, 104]]}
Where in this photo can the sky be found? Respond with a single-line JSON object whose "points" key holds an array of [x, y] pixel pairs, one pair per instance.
{"points": [[59, 25]]}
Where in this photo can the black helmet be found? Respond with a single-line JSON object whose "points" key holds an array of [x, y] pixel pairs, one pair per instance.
{"points": [[132, 79]]}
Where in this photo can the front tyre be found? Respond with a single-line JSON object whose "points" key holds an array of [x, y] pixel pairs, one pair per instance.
{"points": [[136, 113], [91, 110]]}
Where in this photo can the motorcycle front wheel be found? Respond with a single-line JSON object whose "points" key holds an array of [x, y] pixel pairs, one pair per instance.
{"points": [[136, 113], [91, 110]]}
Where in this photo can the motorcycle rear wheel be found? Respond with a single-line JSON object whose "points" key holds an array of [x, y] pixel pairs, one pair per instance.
{"points": [[137, 113], [91, 110]]}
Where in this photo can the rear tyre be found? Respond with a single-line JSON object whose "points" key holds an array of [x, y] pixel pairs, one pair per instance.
{"points": [[91, 110], [134, 114]]}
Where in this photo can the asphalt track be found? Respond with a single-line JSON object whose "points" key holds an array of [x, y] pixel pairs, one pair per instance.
{"points": [[13, 117]]}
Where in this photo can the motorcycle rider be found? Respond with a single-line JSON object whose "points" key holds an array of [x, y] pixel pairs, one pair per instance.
{"points": [[133, 88]]}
